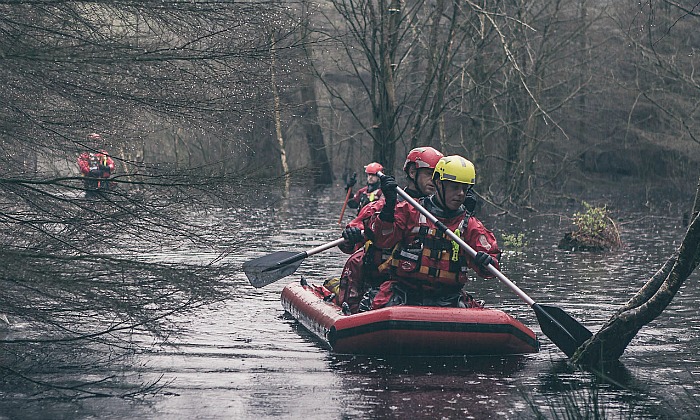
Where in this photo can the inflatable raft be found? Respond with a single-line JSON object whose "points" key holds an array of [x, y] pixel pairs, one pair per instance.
{"points": [[408, 330]]}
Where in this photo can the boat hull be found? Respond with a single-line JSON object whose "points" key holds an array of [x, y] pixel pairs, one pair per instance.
{"points": [[408, 330]]}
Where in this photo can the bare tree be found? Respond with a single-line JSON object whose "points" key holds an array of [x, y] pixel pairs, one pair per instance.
{"points": [[372, 36], [310, 120], [172, 88], [520, 74], [489, 81]]}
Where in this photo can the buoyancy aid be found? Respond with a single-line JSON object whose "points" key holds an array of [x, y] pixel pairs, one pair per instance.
{"points": [[94, 162], [360, 274], [431, 260], [375, 257], [371, 194]]}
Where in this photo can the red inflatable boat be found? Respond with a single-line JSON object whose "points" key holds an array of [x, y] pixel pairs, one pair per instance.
{"points": [[408, 330]]}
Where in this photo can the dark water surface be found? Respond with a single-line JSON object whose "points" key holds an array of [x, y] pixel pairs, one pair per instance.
{"points": [[243, 359]]}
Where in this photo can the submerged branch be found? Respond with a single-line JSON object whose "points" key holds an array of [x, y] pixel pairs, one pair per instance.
{"points": [[608, 344]]}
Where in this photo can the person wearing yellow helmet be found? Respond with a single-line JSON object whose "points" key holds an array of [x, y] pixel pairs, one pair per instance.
{"points": [[451, 176], [426, 267]]}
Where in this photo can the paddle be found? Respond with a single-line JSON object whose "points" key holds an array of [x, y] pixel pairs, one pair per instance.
{"points": [[347, 198], [564, 331], [342, 212], [270, 268]]}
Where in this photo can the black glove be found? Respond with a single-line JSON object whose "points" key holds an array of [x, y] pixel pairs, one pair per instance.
{"points": [[388, 185], [483, 259], [351, 182], [352, 235]]}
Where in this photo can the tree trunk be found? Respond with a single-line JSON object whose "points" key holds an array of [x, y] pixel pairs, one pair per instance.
{"points": [[323, 175], [314, 136], [608, 344], [278, 118], [386, 113]]}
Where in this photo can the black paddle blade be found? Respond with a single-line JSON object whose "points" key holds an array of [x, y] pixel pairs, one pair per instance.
{"points": [[270, 268], [564, 331]]}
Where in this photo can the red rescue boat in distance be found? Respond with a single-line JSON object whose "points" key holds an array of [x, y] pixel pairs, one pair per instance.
{"points": [[408, 330]]}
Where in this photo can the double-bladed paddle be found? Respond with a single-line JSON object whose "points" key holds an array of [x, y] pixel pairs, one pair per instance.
{"points": [[270, 268], [564, 331]]}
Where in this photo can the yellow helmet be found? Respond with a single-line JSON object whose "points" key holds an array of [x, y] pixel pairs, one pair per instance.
{"points": [[456, 169]]}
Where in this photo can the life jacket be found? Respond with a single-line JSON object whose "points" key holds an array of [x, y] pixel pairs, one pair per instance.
{"points": [[371, 194], [432, 261], [106, 162], [373, 259], [93, 162]]}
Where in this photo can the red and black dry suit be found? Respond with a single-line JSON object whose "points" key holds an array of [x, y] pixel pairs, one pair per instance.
{"points": [[365, 195], [426, 267], [96, 169], [360, 271]]}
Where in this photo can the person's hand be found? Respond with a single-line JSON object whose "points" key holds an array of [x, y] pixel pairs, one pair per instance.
{"points": [[351, 182], [352, 235], [388, 186], [483, 260]]}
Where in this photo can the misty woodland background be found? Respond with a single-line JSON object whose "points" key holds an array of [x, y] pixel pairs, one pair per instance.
{"points": [[207, 104]]}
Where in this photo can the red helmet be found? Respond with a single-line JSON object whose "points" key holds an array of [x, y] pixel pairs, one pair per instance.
{"points": [[423, 157], [373, 168]]}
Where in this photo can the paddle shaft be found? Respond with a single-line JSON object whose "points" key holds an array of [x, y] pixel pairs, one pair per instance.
{"points": [[527, 299], [342, 212], [302, 255]]}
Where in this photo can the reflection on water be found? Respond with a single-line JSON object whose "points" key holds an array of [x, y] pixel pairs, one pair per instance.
{"points": [[431, 387], [242, 358]]}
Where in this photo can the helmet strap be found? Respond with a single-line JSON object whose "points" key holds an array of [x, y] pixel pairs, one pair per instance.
{"points": [[440, 192], [414, 179]]}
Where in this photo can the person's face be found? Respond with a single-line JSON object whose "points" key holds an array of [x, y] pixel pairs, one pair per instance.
{"points": [[454, 194], [424, 179], [372, 179]]}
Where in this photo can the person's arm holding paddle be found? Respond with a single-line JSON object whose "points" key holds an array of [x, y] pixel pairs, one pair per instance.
{"points": [[483, 241], [353, 231], [385, 229], [353, 236]]}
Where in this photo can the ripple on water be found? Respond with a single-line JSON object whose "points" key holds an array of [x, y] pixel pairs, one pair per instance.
{"points": [[243, 359]]}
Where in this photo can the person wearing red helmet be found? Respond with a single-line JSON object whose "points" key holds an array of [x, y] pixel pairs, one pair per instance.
{"points": [[418, 167], [369, 193], [96, 169], [360, 271]]}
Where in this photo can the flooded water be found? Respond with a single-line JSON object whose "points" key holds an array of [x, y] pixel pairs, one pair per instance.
{"points": [[244, 359]]}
